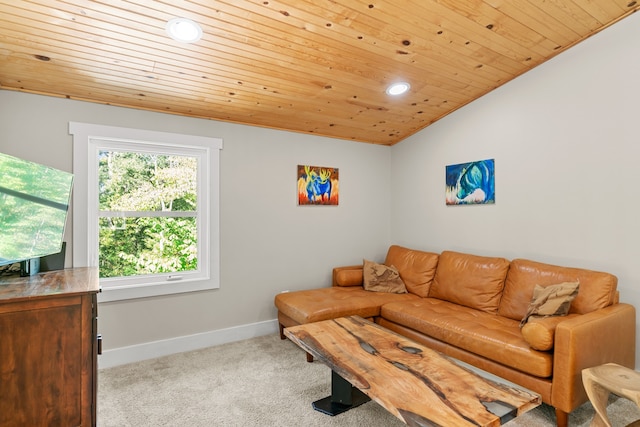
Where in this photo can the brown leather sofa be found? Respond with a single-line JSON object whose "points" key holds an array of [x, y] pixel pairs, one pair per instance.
{"points": [[470, 307]]}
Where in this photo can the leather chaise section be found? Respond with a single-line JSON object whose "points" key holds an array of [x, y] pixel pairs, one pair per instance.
{"points": [[314, 305]]}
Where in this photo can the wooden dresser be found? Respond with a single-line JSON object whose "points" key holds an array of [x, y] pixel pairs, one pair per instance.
{"points": [[49, 348]]}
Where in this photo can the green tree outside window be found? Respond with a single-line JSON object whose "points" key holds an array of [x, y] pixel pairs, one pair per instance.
{"points": [[147, 221]]}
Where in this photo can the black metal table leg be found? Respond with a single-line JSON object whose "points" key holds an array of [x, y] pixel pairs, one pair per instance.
{"points": [[343, 397]]}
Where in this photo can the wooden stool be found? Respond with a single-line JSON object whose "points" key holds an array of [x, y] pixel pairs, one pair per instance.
{"points": [[602, 380]]}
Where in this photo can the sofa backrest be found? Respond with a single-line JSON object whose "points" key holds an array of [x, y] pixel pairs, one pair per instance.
{"points": [[416, 268], [597, 289], [470, 280]]}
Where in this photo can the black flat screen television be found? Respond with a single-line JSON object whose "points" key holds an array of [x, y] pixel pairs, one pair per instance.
{"points": [[34, 201]]}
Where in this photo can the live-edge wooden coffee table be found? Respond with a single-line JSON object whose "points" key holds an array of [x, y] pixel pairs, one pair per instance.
{"points": [[416, 384]]}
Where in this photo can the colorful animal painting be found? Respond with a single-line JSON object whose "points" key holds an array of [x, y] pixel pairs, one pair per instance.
{"points": [[318, 185], [471, 183]]}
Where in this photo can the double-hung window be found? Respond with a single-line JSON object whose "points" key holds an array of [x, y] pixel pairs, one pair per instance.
{"points": [[145, 210]]}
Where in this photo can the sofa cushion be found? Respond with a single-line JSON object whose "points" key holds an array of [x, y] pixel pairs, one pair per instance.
{"points": [[551, 301], [382, 278], [493, 337], [416, 268], [314, 305], [470, 280], [597, 289], [540, 332]]}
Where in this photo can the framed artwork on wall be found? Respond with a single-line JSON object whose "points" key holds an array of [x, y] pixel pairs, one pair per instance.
{"points": [[471, 183], [318, 185]]}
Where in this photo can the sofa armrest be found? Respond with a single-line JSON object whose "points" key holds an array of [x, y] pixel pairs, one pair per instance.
{"points": [[592, 339], [348, 276]]}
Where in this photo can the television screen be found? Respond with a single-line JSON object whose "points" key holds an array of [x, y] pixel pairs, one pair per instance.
{"points": [[34, 200]]}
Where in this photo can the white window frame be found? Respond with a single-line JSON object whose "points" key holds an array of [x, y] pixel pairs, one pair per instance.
{"points": [[88, 139]]}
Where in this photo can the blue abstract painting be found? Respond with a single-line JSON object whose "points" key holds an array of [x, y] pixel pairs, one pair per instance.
{"points": [[471, 183]]}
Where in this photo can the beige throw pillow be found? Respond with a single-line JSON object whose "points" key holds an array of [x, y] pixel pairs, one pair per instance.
{"points": [[554, 300], [382, 278]]}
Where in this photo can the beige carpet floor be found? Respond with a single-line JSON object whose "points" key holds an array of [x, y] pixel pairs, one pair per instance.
{"points": [[262, 381]]}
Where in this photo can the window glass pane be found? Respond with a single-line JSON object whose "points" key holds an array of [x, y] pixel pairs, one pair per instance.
{"points": [[131, 181], [137, 246]]}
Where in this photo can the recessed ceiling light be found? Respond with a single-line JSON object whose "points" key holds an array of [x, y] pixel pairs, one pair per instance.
{"points": [[184, 30], [398, 88]]}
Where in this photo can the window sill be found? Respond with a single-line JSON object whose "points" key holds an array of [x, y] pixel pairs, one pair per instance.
{"points": [[121, 293]]}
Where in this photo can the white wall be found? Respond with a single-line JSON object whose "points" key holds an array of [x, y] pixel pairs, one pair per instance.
{"points": [[268, 243], [566, 144]]}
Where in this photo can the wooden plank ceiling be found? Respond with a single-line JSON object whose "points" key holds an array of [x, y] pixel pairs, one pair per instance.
{"points": [[312, 66]]}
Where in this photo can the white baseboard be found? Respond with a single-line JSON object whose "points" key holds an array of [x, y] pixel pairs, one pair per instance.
{"points": [[151, 350]]}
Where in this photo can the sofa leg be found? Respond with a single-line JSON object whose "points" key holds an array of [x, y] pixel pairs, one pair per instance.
{"points": [[309, 357], [562, 418]]}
